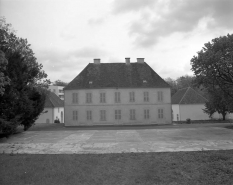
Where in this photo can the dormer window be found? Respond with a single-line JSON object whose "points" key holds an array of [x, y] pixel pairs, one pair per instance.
{"points": [[144, 81], [90, 82]]}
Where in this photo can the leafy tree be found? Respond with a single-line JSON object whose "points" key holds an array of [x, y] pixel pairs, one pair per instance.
{"points": [[180, 83], [59, 83], [218, 102], [213, 65], [4, 80], [173, 85], [213, 68], [25, 93]]}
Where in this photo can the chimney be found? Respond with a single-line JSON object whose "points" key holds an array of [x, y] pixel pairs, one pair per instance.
{"points": [[127, 61], [140, 60], [96, 61]]}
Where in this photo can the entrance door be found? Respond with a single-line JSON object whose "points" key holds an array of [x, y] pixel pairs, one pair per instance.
{"points": [[61, 117]]}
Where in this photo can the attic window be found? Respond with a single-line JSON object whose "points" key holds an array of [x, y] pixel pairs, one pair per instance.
{"points": [[144, 81], [90, 82]]}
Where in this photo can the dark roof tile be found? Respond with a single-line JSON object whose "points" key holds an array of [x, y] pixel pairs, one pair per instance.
{"points": [[52, 100], [188, 96], [117, 75]]}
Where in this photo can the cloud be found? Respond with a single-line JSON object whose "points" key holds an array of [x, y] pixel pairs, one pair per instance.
{"points": [[55, 61], [96, 21], [123, 6], [158, 19]]}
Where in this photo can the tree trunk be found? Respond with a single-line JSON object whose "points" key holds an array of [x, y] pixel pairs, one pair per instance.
{"points": [[223, 116]]}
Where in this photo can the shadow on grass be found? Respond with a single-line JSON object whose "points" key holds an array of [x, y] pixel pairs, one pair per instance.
{"points": [[204, 167], [229, 127]]}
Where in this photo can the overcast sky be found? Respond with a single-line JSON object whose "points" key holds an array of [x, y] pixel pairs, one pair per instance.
{"points": [[66, 35]]}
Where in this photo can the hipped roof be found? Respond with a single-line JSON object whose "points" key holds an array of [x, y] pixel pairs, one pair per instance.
{"points": [[188, 96], [52, 100], [117, 75]]}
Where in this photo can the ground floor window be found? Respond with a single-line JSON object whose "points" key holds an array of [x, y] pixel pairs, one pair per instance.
{"points": [[132, 114], [117, 114], [102, 115], [75, 115], [146, 114], [160, 113], [89, 115]]}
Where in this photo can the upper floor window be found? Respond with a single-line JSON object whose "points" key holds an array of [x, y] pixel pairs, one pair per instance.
{"points": [[117, 97], [132, 114], [146, 114], [89, 115], [131, 97], [117, 114], [74, 97], [160, 113], [61, 91], [102, 98], [160, 96], [146, 96], [75, 115], [88, 98], [102, 115]]}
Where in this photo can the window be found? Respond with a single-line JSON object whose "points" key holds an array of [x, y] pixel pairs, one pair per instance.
{"points": [[146, 114], [117, 97], [74, 97], [132, 114], [88, 98], [117, 114], [131, 97], [89, 115], [54, 90], [60, 91], [102, 115], [160, 113], [75, 115], [146, 96], [160, 96], [102, 97]]}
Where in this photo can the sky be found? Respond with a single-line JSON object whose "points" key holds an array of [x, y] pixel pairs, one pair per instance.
{"points": [[66, 35]]}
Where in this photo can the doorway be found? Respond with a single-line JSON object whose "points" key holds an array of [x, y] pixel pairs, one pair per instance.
{"points": [[61, 116]]}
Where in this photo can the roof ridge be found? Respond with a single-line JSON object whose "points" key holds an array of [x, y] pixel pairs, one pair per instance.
{"points": [[184, 94], [51, 102], [199, 94]]}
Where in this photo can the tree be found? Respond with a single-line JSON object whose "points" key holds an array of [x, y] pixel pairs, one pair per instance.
{"points": [[218, 102], [213, 66], [25, 93], [173, 85], [60, 83], [4, 80], [180, 83]]}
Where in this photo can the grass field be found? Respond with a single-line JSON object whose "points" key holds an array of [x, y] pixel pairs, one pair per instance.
{"points": [[204, 167]]}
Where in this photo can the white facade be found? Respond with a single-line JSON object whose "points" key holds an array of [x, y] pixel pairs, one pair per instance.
{"points": [[181, 112], [58, 90], [121, 106], [50, 114]]}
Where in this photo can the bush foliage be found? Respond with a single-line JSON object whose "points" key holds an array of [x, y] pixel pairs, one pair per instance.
{"points": [[23, 82]]}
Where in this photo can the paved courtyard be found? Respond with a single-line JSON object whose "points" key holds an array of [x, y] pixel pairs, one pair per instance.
{"points": [[76, 141]]}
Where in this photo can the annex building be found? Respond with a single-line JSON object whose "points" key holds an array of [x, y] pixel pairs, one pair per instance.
{"points": [[117, 93]]}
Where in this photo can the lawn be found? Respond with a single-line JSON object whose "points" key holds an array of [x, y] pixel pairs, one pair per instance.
{"points": [[204, 167]]}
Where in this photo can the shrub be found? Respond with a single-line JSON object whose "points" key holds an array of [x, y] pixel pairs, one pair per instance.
{"points": [[188, 121]]}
